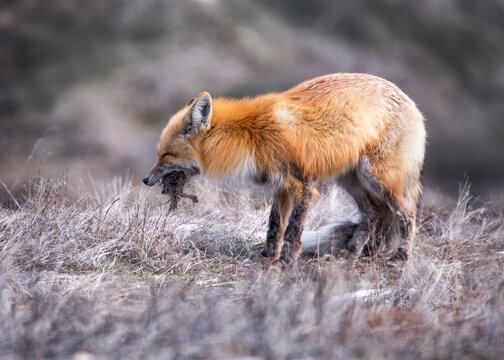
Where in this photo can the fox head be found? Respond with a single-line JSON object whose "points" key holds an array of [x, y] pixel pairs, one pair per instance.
{"points": [[175, 150]]}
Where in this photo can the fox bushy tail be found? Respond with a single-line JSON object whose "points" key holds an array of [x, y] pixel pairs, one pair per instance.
{"points": [[328, 239]]}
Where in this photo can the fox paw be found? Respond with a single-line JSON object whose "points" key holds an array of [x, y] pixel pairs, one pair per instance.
{"points": [[400, 255], [281, 264], [270, 255], [351, 249]]}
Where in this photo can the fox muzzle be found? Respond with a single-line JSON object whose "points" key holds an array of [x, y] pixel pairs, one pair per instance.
{"points": [[159, 172]]}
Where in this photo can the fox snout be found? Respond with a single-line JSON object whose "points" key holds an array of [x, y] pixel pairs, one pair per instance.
{"points": [[158, 171], [154, 175]]}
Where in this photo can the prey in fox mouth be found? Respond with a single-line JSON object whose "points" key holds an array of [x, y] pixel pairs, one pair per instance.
{"points": [[173, 184]]}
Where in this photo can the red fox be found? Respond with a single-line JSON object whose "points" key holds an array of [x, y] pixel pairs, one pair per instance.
{"points": [[361, 129]]}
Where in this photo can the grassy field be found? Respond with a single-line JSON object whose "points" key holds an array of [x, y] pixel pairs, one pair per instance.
{"points": [[108, 274]]}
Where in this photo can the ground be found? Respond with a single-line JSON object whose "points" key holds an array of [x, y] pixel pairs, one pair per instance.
{"points": [[108, 273]]}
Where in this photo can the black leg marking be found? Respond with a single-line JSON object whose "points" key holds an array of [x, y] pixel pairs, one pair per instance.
{"points": [[407, 232], [292, 237], [367, 227], [364, 234], [276, 225]]}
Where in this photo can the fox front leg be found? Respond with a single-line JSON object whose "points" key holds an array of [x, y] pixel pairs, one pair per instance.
{"points": [[292, 236], [276, 225]]}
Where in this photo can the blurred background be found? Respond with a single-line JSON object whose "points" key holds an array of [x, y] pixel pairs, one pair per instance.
{"points": [[86, 86]]}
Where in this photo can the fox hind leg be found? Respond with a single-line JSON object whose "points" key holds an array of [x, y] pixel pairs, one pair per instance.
{"points": [[405, 232], [367, 207], [395, 224]]}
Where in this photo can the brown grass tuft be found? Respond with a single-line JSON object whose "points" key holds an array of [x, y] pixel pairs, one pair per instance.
{"points": [[106, 274]]}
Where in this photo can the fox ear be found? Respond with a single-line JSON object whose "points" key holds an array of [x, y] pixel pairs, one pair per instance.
{"points": [[200, 113]]}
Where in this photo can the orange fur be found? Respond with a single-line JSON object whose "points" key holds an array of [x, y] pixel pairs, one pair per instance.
{"points": [[320, 128]]}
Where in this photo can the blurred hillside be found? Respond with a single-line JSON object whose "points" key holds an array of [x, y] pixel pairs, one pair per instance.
{"points": [[87, 86]]}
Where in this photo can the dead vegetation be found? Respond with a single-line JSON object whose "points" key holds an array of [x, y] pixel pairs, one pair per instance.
{"points": [[107, 274]]}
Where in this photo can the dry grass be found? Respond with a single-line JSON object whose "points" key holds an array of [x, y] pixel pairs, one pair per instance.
{"points": [[106, 274]]}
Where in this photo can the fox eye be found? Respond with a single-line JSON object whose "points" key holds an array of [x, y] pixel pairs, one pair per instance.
{"points": [[167, 154], [190, 101]]}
